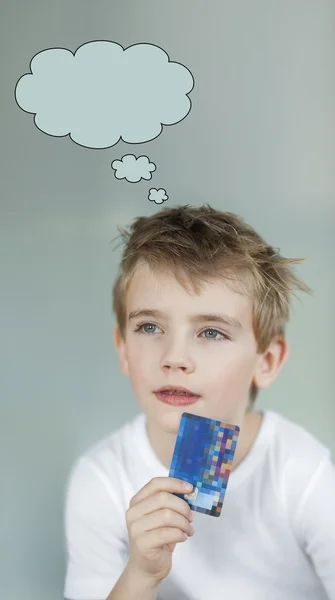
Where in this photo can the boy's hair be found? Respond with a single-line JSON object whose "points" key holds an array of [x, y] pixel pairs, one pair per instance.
{"points": [[199, 244]]}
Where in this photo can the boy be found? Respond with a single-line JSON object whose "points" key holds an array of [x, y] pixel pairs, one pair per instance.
{"points": [[201, 303]]}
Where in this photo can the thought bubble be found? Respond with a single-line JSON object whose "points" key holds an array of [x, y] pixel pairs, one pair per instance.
{"points": [[102, 93], [158, 196], [133, 169]]}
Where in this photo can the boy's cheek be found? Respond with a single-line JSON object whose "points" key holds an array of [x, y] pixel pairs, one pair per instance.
{"points": [[124, 363], [125, 368]]}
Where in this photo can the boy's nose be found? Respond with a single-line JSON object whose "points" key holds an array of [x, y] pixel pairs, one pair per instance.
{"points": [[177, 361], [176, 355], [187, 368]]}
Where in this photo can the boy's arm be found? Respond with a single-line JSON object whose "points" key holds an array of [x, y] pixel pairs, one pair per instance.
{"points": [[96, 534], [316, 519], [132, 587]]}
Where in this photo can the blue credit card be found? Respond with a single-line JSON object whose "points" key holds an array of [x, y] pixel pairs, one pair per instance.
{"points": [[203, 456]]}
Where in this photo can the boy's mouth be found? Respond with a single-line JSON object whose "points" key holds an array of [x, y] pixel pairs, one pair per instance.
{"points": [[176, 395], [177, 389]]}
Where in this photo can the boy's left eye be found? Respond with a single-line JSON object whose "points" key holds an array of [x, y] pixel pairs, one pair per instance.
{"points": [[215, 331], [139, 329]]}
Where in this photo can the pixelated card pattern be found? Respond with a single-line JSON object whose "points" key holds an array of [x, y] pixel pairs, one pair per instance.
{"points": [[203, 455]]}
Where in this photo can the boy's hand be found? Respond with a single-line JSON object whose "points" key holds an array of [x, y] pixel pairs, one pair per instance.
{"points": [[156, 521]]}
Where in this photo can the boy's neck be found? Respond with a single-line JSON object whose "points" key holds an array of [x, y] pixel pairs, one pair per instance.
{"points": [[163, 444]]}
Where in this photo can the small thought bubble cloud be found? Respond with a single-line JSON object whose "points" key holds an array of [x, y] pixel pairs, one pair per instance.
{"points": [[158, 196], [133, 169], [102, 93]]}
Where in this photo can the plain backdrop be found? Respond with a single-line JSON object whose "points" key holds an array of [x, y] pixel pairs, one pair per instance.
{"points": [[259, 141]]}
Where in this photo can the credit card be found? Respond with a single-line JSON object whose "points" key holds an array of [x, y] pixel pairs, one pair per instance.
{"points": [[203, 456]]}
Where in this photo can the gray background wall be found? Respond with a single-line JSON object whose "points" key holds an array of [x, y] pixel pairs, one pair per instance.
{"points": [[259, 141]]}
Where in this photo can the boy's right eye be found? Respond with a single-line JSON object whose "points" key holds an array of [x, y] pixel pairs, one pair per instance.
{"points": [[139, 328]]}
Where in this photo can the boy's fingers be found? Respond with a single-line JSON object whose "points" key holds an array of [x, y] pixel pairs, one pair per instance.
{"points": [[159, 519], [155, 502], [160, 484]]}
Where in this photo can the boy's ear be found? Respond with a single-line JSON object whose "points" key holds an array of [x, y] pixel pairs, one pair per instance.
{"points": [[121, 348], [271, 362]]}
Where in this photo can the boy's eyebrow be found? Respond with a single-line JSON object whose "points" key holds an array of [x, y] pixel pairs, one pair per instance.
{"points": [[224, 319]]}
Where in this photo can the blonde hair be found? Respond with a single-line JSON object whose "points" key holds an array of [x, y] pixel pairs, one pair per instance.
{"points": [[199, 244]]}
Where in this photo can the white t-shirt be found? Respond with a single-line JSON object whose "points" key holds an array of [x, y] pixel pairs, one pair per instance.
{"points": [[275, 538]]}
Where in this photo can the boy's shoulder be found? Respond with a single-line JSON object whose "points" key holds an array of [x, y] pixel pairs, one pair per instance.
{"points": [[112, 447], [295, 441], [108, 457], [295, 454], [117, 440], [104, 470]]}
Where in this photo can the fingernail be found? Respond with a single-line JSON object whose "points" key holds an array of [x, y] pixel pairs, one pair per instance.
{"points": [[188, 486]]}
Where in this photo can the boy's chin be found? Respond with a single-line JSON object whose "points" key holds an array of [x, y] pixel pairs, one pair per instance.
{"points": [[169, 420]]}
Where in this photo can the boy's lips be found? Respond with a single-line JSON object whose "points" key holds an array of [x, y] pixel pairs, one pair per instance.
{"points": [[176, 395], [176, 388]]}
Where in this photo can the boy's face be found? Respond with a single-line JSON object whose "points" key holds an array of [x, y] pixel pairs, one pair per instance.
{"points": [[215, 360]]}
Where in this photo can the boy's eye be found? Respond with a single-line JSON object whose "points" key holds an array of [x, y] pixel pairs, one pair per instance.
{"points": [[213, 331], [141, 329]]}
